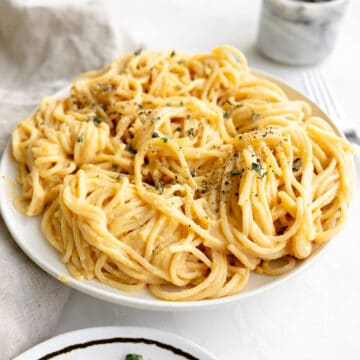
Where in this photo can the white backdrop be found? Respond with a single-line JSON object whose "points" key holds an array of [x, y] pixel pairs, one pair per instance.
{"points": [[315, 316]]}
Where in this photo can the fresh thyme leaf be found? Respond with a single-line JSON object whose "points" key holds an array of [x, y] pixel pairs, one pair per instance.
{"points": [[80, 139], [227, 114], [296, 164], [165, 139], [154, 120], [181, 103], [257, 167], [168, 104], [173, 53], [96, 120], [190, 132], [154, 135], [234, 172], [193, 172], [133, 357], [137, 52]]}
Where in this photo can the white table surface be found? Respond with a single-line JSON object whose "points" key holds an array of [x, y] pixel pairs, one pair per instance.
{"points": [[314, 316]]}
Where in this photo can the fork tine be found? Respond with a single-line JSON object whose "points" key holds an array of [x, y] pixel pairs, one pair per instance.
{"points": [[310, 87], [317, 88], [307, 89], [324, 100], [314, 88], [328, 94]]}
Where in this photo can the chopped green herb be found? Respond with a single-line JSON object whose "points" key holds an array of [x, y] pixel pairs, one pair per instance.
{"points": [[80, 139], [234, 172], [137, 52], [227, 114], [164, 139], [130, 149], [254, 115], [154, 120], [178, 128], [190, 132], [257, 167], [193, 172], [239, 105], [160, 186], [133, 357], [173, 53], [181, 103], [114, 166], [96, 120], [168, 104], [154, 135], [296, 164]]}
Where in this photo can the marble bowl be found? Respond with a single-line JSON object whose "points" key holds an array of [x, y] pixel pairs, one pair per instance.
{"points": [[299, 32]]}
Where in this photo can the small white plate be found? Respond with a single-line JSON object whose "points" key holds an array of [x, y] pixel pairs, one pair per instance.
{"points": [[27, 233], [114, 343]]}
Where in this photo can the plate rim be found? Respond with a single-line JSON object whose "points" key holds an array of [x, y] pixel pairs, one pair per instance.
{"points": [[122, 298], [99, 333]]}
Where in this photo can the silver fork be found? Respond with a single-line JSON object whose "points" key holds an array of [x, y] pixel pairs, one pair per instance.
{"points": [[317, 89]]}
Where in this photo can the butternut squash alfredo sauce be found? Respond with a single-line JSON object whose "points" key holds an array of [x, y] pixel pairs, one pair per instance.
{"points": [[182, 173]]}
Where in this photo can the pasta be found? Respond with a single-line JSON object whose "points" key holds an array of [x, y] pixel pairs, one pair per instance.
{"points": [[181, 173]]}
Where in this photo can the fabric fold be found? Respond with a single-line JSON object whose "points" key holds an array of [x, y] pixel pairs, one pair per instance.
{"points": [[42, 47]]}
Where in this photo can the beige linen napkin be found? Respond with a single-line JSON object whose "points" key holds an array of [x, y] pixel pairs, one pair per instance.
{"points": [[42, 46]]}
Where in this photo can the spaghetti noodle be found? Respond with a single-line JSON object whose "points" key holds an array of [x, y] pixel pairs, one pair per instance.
{"points": [[181, 173]]}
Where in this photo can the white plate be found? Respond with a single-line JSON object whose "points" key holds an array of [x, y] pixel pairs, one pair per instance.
{"points": [[27, 233], [113, 343]]}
